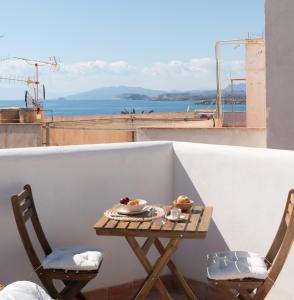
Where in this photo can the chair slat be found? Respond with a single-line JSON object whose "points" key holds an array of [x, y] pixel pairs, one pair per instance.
{"points": [[287, 219], [205, 219], [290, 208], [292, 199], [24, 194], [28, 214], [25, 204]]}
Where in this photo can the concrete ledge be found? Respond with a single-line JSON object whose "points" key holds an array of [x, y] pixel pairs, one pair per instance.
{"points": [[249, 137], [16, 135]]}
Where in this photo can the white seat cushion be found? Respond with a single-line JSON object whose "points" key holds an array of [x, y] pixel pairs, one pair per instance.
{"points": [[229, 265], [73, 259], [23, 290]]}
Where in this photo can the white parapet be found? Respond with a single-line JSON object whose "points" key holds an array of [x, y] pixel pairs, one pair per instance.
{"points": [[73, 185]]}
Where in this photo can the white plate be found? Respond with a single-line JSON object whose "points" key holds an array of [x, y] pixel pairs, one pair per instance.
{"points": [[122, 211], [170, 218]]}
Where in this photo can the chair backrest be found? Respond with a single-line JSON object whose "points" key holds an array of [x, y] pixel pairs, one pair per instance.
{"points": [[24, 210], [282, 243]]}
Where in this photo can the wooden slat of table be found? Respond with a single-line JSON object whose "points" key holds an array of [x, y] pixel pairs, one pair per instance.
{"points": [[156, 225], [133, 225], [111, 224], [180, 226], [196, 227], [194, 219], [122, 225], [145, 225], [101, 222], [198, 208], [205, 219], [168, 226]]}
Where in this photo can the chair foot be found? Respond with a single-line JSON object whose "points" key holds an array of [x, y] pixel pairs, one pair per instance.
{"points": [[80, 296]]}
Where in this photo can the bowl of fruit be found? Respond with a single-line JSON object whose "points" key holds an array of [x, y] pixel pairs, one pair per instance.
{"points": [[132, 205], [183, 202]]}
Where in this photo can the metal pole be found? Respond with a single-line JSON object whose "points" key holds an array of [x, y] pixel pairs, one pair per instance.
{"points": [[37, 84], [232, 94], [47, 132], [218, 83], [219, 110]]}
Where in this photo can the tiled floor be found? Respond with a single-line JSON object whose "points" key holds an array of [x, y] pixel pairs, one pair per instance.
{"points": [[179, 295], [128, 291]]}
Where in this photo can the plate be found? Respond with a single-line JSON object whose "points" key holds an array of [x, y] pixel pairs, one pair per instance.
{"points": [[170, 218], [122, 211]]}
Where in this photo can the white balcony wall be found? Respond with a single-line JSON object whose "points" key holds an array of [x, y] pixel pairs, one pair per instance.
{"points": [[72, 187], [248, 189]]}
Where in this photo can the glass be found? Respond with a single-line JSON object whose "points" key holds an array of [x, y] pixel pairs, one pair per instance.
{"points": [[175, 213]]}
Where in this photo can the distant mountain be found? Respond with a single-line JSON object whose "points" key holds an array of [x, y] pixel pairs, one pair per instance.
{"points": [[240, 87], [183, 96], [114, 92], [138, 93]]}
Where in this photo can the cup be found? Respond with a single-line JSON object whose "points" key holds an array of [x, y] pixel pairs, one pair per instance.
{"points": [[175, 213]]}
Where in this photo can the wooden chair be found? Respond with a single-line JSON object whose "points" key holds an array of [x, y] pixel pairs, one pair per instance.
{"points": [[257, 289], [1, 286], [24, 210]]}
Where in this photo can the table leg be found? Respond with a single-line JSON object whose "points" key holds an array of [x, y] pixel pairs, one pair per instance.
{"points": [[180, 278], [148, 243], [159, 265], [141, 255]]}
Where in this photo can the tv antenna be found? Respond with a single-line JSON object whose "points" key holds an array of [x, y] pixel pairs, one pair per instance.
{"points": [[34, 101]]}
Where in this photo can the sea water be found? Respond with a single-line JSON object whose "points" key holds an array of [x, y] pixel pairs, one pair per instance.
{"points": [[104, 107]]}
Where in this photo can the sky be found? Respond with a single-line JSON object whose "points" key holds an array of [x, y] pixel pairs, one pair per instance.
{"points": [[158, 44]]}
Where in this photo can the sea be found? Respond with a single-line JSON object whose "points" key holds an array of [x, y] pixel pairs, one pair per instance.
{"points": [[81, 107]]}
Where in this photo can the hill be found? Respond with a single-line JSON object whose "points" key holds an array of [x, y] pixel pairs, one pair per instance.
{"points": [[113, 92], [138, 93]]}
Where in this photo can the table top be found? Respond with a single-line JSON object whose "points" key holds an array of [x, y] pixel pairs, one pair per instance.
{"points": [[195, 226]]}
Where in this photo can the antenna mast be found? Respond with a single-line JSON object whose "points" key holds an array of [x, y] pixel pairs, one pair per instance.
{"points": [[54, 64]]}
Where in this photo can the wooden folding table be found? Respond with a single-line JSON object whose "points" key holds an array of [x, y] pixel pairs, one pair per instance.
{"points": [[195, 226]]}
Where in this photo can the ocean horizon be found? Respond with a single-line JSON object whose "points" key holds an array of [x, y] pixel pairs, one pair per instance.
{"points": [[117, 106]]}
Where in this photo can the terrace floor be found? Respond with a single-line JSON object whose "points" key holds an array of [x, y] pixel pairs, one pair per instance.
{"points": [[128, 291]]}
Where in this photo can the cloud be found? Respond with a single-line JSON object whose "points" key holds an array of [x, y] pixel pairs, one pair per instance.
{"points": [[195, 66], [96, 67], [234, 66], [196, 73], [178, 67]]}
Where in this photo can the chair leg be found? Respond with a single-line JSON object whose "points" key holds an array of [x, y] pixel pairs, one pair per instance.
{"points": [[80, 296], [245, 295], [50, 288], [73, 290]]}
